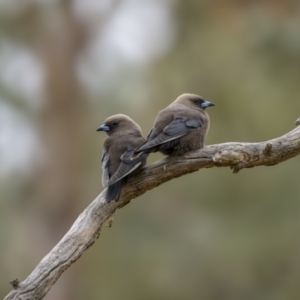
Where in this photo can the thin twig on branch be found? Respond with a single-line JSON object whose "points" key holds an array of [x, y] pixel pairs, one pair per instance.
{"points": [[98, 214]]}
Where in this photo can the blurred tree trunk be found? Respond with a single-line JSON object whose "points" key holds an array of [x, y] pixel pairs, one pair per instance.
{"points": [[62, 120], [57, 38]]}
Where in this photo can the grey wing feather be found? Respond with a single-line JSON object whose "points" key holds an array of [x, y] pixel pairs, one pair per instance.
{"points": [[143, 146], [105, 173], [129, 163], [193, 123], [176, 129]]}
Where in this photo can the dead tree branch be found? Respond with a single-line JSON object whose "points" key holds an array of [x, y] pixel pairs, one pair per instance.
{"points": [[98, 214]]}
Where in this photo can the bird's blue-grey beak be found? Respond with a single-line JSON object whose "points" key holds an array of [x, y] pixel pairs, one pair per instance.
{"points": [[103, 127], [206, 104]]}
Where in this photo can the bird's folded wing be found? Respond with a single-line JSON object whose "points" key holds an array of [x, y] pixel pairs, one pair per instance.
{"points": [[105, 173], [176, 129], [129, 162]]}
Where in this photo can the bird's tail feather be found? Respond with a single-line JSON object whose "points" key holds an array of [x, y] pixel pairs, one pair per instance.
{"points": [[114, 190]]}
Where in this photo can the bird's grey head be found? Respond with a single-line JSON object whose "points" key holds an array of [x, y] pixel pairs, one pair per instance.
{"points": [[118, 124], [193, 101]]}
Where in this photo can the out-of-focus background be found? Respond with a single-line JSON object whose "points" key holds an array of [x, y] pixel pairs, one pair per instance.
{"points": [[67, 65]]}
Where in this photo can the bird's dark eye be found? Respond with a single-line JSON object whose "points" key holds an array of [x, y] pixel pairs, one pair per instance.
{"points": [[115, 123], [195, 101]]}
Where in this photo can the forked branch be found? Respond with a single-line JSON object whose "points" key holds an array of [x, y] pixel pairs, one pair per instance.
{"points": [[98, 214]]}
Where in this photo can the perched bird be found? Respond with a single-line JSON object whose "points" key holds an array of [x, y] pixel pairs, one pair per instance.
{"points": [[118, 159], [180, 127]]}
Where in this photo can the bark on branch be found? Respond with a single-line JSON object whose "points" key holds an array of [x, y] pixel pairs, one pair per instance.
{"points": [[98, 214]]}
